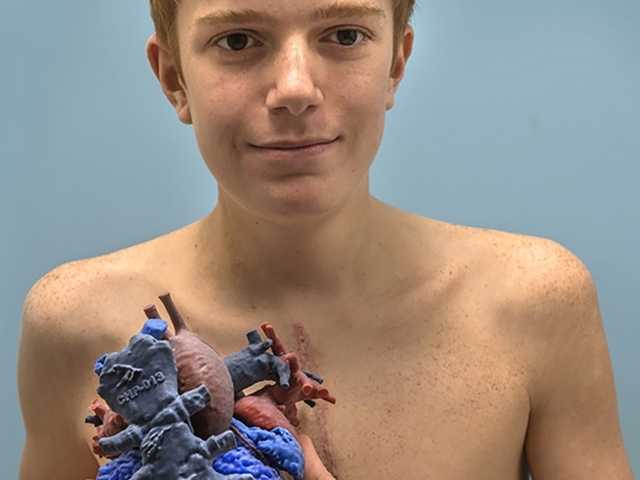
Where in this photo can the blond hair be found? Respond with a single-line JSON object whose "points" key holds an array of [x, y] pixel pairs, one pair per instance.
{"points": [[163, 13]]}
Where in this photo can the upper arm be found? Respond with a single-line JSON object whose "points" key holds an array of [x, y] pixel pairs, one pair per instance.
{"points": [[574, 430], [53, 384]]}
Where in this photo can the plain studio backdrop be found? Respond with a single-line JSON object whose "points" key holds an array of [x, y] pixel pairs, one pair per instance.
{"points": [[513, 115]]}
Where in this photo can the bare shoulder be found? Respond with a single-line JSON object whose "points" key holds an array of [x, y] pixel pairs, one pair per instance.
{"points": [[70, 316], [84, 307], [526, 275], [540, 278], [542, 292], [530, 268], [541, 266], [514, 274], [58, 303], [530, 283], [85, 302]]}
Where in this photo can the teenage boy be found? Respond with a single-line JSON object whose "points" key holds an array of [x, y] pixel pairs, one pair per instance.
{"points": [[454, 352]]}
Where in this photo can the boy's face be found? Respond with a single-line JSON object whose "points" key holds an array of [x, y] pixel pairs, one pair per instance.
{"points": [[295, 79]]}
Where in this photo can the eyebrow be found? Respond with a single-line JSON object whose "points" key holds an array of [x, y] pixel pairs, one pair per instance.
{"points": [[333, 11]]}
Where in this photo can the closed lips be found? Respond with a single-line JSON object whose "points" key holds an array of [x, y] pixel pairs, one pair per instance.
{"points": [[294, 145]]}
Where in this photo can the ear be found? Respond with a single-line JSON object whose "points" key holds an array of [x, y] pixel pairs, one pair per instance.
{"points": [[165, 70], [397, 71]]}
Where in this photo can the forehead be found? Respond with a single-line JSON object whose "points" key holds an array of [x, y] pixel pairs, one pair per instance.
{"points": [[195, 13]]}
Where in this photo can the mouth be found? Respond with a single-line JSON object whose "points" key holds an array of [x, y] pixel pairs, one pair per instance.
{"points": [[293, 152], [287, 146]]}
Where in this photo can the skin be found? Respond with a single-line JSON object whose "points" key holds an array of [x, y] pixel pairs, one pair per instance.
{"points": [[453, 352]]}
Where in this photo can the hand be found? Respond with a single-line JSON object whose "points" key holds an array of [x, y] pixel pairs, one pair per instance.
{"points": [[314, 469]]}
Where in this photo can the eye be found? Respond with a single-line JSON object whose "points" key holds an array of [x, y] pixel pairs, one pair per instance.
{"points": [[350, 35], [237, 41]]}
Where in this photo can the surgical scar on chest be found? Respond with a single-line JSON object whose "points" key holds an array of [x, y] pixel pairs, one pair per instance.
{"points": [[309, 360]]}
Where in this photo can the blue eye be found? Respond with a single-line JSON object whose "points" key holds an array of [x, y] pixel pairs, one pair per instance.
{"points": [[237, 41]]}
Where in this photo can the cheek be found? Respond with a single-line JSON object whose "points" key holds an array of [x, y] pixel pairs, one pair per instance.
{"points": [[211, 109], [363, 117], [217, 125]]}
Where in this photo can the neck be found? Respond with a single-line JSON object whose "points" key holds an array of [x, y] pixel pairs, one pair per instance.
{"points": [[335, 256]]}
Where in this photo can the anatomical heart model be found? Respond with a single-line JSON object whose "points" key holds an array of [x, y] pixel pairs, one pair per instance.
{"points": [[175, 408]]}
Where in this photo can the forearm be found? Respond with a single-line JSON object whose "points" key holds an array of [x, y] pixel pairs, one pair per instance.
{"points": [[314, 469]]}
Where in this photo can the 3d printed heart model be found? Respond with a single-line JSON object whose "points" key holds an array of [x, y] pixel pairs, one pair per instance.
{"points": [[175, 409]]}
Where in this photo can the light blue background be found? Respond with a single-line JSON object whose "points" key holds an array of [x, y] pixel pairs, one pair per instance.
{"points": [[514, 115]]}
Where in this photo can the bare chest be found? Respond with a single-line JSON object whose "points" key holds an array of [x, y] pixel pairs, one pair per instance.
{"points": [[443, 402], [430, 391]]}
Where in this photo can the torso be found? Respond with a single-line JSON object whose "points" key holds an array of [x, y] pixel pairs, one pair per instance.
{"points": [[431, 379]]}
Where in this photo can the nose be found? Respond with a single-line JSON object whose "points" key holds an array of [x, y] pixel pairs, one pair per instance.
{"points": [[295, 87]]}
